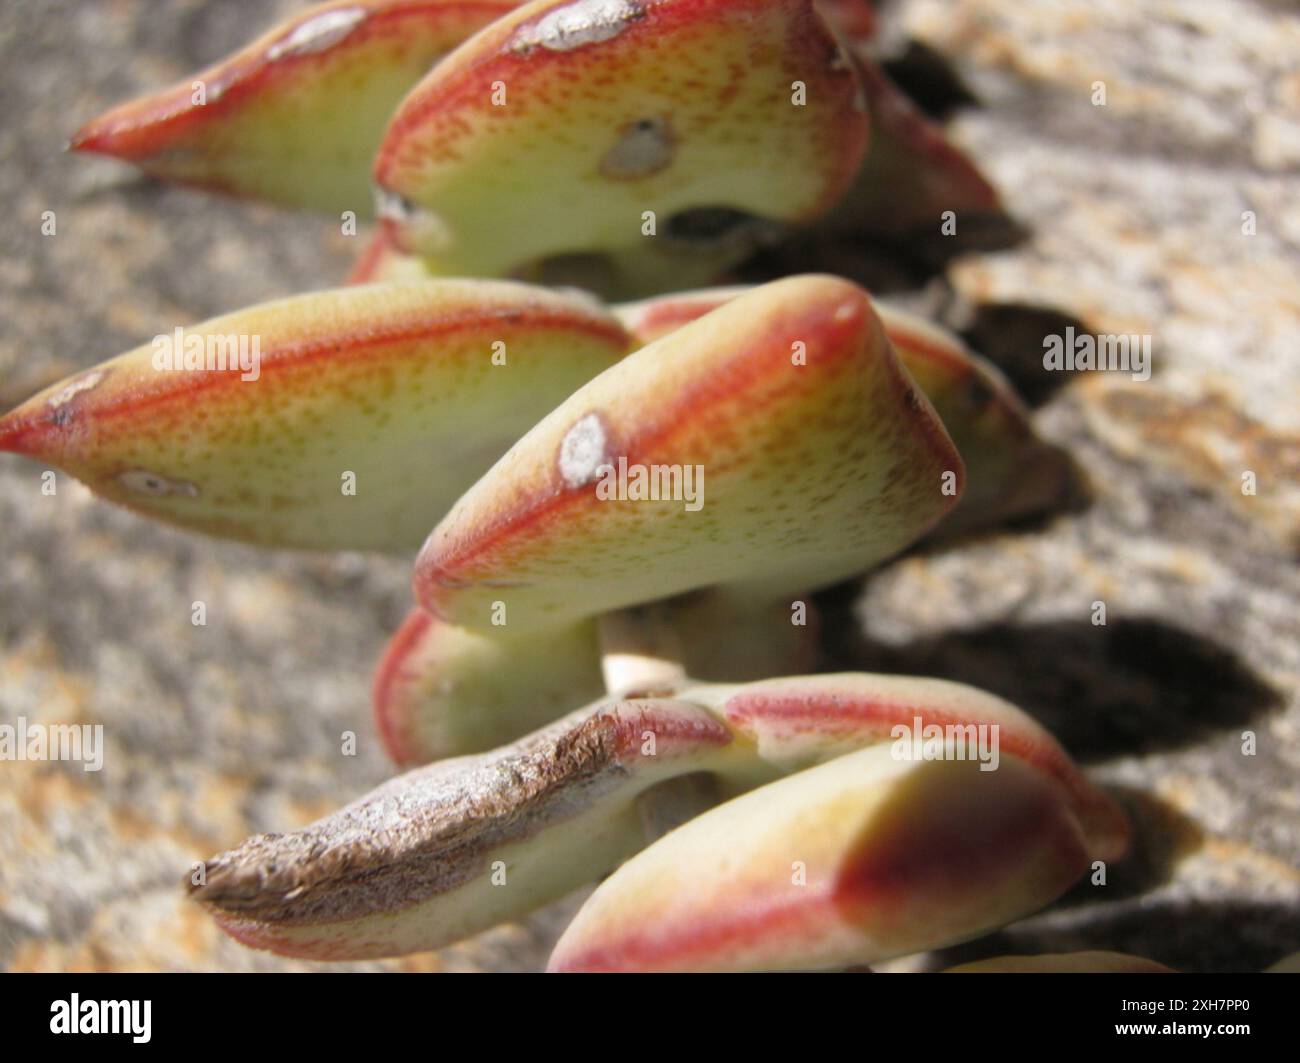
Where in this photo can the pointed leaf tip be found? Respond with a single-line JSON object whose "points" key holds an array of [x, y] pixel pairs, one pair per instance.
{"points": [[857, 860], [1010, 471], [346, 419], [296, 116]]}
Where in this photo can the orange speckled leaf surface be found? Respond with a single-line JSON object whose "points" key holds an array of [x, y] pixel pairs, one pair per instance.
{"points": [[558, 127], [393, 387], [817, 455], [1010, 471], [296, 116]]}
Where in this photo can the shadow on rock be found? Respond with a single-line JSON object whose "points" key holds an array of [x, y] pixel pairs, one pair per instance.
{"points": [[883, 262], [1132, 686], [1012, 335], [1194, 936], [929, 79]]}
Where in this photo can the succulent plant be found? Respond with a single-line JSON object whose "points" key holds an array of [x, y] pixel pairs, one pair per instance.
{"points": [[747, 815], [839, 853]]}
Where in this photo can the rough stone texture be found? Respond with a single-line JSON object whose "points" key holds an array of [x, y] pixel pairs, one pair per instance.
{"points": [[1134, 218]]}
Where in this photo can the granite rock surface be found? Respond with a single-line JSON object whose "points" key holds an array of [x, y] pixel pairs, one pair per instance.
{"points": [[1171, 210]]}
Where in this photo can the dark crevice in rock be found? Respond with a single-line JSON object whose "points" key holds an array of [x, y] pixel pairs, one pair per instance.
{"points": [[1074, 495], [706, 225], [1011, 336], [1187, 935], [876, 269], [929, 80], [883, 263]]}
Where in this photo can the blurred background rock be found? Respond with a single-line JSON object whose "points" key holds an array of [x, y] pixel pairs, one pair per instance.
{"points": [[1134, 220]]}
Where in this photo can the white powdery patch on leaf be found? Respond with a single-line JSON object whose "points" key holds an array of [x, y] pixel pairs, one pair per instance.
{"points": [[643, 148], [579, 24], [582, 451], [82, 383], [319, 33]]}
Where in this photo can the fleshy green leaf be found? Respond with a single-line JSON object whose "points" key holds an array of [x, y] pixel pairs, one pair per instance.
{"points": [[1010, 471], [443, 691], [570, 126], [366, 412], [861, 859], [295, 117], [813, 454]]}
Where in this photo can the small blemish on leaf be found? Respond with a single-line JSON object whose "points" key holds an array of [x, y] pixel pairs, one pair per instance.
{"points": [[578, 24], [318, 34], [393, 205], [582, 451], [846, 312], [143, 482], [84, 382], [643, 148]]}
